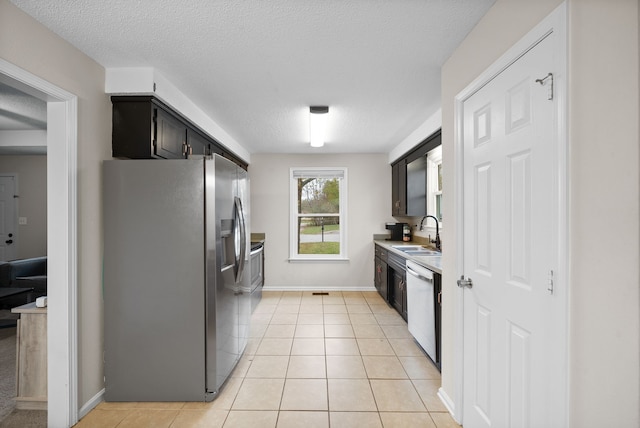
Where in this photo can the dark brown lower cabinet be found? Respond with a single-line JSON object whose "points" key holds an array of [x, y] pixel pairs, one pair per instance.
{"points": [[390, 279], [397, 281], [380, 271], [437, 284], [398, 296]]}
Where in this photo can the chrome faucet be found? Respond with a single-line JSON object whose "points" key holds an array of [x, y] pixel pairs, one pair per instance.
{"points": [[437, 241]]}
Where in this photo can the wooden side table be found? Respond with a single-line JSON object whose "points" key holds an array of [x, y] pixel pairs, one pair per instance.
{"points": [[31, 358]]}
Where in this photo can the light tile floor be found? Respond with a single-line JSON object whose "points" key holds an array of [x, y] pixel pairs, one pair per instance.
{"points": [[342, 360]]}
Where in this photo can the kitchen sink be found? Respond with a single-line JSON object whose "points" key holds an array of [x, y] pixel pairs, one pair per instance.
{"points": [[416, 250], [422, 253]]}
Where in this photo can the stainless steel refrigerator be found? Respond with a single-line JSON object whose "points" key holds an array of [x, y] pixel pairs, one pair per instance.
{"points": [[176, 296]]}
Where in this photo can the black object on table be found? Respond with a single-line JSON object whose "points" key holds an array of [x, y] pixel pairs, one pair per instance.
{"points": [[7, 292]]}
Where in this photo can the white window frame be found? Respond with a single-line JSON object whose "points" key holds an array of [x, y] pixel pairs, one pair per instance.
{"points": [[434, 158], [293, 221]]}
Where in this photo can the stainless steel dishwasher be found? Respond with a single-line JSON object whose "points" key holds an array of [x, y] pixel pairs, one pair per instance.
{"points": [[421, 308]]}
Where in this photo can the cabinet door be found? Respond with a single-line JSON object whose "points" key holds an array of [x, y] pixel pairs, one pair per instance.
{"points": [[398, 285], [380, 278], [170, 135], [399, 188], [404, 296], [197, 143], [417, 187]]}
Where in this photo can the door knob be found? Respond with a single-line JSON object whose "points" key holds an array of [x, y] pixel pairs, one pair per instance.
{"points": [[9, 241], [465, 282]]}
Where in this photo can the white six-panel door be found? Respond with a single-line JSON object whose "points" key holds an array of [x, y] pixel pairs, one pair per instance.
{"points": [[510, 220]]}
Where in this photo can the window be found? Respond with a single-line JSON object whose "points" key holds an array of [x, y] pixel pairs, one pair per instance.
{"points": [[434, 182], [318, 213]]}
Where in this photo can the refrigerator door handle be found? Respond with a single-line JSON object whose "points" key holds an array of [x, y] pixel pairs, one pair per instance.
{"points": [[241, 239]]}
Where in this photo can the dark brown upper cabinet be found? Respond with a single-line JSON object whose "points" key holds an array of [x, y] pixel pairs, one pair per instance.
{"points": [[399, 188], [409, 179], [146, 128], [169, 135], [417, 187]]}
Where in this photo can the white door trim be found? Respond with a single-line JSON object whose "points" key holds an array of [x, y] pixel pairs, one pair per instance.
{"points": [[556, 22], [62, 208]]}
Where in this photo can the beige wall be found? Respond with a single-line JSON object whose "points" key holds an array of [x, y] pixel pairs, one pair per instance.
{"points": [[29, 45], [369, 193], [604, 187], [603, 117], [32, 203]]}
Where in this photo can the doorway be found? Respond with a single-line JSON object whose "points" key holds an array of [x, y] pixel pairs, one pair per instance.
{"points": [[512, 214], [61, 240]]}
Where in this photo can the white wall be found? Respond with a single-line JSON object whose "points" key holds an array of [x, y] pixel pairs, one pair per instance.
{"points": [[30, 46], [604, 185], [30, 141], [369, 207], [428, 127], [32, 203]]}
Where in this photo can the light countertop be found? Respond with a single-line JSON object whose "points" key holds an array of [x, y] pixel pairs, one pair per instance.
{"points": [[433, 263]]}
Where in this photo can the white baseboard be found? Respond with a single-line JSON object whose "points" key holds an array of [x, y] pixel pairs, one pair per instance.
{"points": [[316, 288], [91, 404], [449, 404]]}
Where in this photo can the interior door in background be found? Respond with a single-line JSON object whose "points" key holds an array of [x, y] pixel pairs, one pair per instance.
{"points": [[8, 218], [512, 319]]}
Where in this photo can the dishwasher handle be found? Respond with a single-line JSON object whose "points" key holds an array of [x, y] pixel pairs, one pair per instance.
{"points": [[417, 275]]}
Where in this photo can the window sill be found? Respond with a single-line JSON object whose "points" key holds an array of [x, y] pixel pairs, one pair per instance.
{"points": [[317, 259]]}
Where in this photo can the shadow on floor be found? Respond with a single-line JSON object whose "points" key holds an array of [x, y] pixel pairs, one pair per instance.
{"points": [[25, 419], [7, 367]]}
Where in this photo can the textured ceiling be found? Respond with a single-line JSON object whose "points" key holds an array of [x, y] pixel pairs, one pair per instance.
{"points": [[20, 111], [255, 66]]}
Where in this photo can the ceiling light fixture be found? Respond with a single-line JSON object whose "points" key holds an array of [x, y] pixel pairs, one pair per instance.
{"points": [[317, 124]]}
